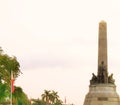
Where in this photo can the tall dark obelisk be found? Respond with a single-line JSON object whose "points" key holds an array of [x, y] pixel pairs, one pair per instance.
{"points": [[102, 89]]}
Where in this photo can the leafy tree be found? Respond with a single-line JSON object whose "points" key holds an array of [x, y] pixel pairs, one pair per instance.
{"points": [[8, 64], [38, 102], [3, 92], [58, 102], [19, 97]]}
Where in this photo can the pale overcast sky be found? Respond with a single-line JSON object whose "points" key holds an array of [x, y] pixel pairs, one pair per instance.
{"points": [[56, 43]]}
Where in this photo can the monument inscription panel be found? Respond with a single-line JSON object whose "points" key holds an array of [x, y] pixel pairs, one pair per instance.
{"points": [[102, 99]]}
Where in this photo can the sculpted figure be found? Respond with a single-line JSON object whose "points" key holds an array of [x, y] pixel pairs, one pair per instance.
{"points": [[94, 79], [110, 79], [102, 73]]}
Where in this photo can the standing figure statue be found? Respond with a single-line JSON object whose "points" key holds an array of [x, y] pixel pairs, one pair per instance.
{"points": [[102, 73]]}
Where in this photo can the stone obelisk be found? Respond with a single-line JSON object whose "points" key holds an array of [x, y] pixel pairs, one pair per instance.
{"points": [[102, 53], [102, 89], [102, 48]]}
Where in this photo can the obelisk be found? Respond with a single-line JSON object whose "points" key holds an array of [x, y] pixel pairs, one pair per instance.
{"points": [[102, 89], [102, 53], [102, 49]]}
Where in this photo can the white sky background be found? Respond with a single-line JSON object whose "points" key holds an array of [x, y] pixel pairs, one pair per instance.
{"points": [[56, 43]]}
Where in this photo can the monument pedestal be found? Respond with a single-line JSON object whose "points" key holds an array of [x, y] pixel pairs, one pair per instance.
{"points": [[102, 94]]}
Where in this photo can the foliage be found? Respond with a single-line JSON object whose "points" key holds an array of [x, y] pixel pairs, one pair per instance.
{"points": [[38, 102], [19, 97], [8, 64], [48, 98], [51, 98], [4, 93]]}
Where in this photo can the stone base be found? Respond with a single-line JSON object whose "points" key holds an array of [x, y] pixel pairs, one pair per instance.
{"points": [[102, 94]]}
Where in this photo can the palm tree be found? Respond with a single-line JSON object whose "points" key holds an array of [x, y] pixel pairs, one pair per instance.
{"points": [[51, 97], [46, 96], [54, 96]]}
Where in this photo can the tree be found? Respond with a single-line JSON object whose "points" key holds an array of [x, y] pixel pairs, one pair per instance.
{"points": [[3, 92], [51, 98], [54, 97], [8, 64], [46, 96], [38, 102], [19, 97], [58, 102]]}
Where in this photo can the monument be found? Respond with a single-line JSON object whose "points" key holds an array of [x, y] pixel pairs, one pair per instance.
{"points": [[102, 88]]}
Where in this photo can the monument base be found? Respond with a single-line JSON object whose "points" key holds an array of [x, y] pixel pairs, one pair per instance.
{"points": [[102, 94]]}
